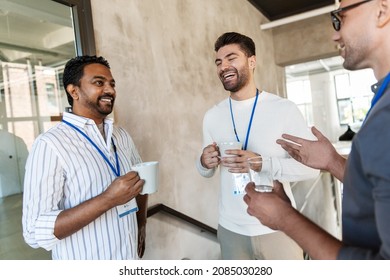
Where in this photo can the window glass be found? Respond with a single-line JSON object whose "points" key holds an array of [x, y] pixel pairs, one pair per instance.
{"points": [[299, 92], [352, 90], [36, 39]]}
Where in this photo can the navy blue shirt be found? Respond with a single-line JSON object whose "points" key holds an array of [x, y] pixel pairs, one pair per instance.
{"points": [[366, 193]]}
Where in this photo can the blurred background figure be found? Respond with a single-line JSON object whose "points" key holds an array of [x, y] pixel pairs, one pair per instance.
{"points": [[13, 155]]}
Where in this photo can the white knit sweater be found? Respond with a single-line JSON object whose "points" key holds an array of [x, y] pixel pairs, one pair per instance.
{"points": [[273, 117]]}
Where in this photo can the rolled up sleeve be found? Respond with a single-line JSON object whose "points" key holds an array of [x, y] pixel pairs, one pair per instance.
{"points": [[43, 189]]}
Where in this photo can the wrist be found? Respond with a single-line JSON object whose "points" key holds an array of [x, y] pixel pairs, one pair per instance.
{"points": [[107, 200], [290, 217]]}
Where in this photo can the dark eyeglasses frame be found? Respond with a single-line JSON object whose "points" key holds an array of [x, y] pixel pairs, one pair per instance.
{"points": [[335, 14]]}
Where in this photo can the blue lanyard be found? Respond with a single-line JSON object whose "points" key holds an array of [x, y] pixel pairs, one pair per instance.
{"points": [[379, 94], [116, 171], [250, 121]]}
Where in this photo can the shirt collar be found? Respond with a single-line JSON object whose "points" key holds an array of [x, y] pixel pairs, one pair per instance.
{"points": [[82, 121], [375, 87], [87, 124]]}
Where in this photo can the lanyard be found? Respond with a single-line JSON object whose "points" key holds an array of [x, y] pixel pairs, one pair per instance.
{"points": [[379, 94], [250, 121], [116, 171]]}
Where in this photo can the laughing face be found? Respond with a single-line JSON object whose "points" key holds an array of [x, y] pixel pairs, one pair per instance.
{"points": [[233, 67], [355, 37], [95, 96]]}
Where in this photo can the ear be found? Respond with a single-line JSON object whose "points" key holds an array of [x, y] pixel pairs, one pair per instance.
{"points": [[383, 13], [73, 91], [252, 62]]}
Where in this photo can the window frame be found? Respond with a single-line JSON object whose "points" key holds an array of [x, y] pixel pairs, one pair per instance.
{"points": [[83, 25]]}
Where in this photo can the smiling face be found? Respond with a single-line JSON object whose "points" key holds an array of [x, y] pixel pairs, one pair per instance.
{"points": [[355, 37], [234, 68], [95, 96]]}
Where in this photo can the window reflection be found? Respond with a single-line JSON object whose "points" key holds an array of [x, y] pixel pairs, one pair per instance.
{"points": [[36, 39]]}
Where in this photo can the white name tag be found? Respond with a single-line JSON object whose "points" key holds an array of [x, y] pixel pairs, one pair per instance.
{"points": [[240, 181], [127, 208]]}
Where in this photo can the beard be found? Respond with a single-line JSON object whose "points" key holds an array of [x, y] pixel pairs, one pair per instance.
{"points": [[101, 107], [234, 85], [355, 55], [105, 110]]}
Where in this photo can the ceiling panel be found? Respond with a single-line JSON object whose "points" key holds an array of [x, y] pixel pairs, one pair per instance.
{"points": [[277, 9], [314, 67]]}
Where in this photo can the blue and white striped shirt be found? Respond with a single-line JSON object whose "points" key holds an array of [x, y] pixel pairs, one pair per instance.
{"points": [[63, 170]]}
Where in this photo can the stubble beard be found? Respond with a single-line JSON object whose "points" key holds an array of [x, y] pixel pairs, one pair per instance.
{"points": [[103, 110], [354, 56], [234, 86]]}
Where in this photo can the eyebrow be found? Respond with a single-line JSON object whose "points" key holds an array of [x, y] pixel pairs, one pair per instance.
{"points": [[102, 78]]}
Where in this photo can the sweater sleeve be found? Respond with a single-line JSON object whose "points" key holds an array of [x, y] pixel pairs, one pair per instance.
{"points": [[204, 171], [289, 170], [207, 140]]}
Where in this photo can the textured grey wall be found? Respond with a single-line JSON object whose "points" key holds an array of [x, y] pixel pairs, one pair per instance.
{"points": [[304, 40], [162, 57]]}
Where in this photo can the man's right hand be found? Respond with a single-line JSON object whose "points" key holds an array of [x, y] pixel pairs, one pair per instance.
{"points": [[210, 156], [121, 190], [124, 188], [319, 154]]}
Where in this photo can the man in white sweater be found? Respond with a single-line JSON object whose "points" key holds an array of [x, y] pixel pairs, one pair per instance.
{"points": [[256, 119]]}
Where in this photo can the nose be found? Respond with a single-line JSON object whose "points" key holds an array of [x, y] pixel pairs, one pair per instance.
{"points": [[223, 66], [109, 89]]}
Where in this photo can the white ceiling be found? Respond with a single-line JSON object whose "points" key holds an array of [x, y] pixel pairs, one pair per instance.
{"points": [[313, 67]]}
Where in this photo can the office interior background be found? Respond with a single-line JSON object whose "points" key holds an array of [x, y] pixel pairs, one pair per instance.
{"points": [[161, 54]]}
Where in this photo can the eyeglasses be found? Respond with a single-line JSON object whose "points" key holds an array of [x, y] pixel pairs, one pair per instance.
{"points": [[336, 14]]}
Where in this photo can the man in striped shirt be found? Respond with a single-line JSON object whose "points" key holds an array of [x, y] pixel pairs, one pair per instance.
{"points": [[81, 199]]}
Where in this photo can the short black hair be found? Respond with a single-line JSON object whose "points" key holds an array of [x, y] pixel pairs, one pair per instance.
{"points": [[74, 71], [246, 44]]}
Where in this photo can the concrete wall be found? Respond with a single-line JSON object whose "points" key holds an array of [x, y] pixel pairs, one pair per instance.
{"points": [[162, 57], [304, 40]]}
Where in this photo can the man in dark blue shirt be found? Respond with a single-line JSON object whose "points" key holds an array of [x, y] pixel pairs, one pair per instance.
{"points": [[361, 32]]}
